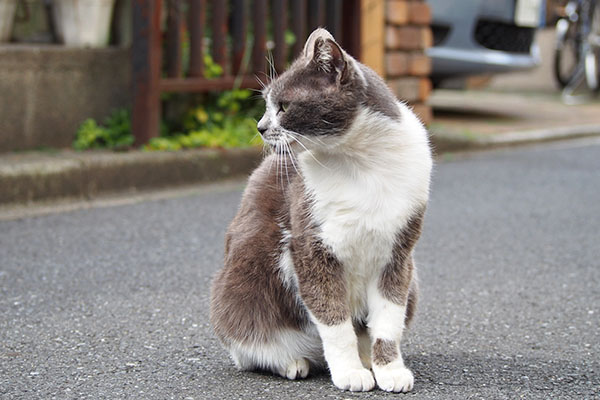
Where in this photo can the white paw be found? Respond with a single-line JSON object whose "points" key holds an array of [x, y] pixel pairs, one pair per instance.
{"points": [[398, 379], [356, 380], [296, 369]]}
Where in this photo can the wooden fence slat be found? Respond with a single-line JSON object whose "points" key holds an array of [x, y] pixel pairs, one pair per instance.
{"points": [[298, 25], [145, 62], [203, 85], [316, 14], [219, 32], [279, 15], [334, 18], [259, 16], [196, 27], [351, 27], [238, 32], [173, 39]]}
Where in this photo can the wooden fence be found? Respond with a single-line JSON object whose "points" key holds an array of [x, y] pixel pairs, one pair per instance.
{"points": [[171, 38]]}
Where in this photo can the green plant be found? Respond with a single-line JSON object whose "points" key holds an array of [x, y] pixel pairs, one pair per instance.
{"points": [[222, 119], [114, 134]]}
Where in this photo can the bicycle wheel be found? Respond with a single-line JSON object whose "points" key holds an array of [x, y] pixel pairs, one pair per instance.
{"points": [[592, 56], [566, 54]]}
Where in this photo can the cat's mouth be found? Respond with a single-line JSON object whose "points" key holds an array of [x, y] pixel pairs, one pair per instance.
{"points": [[274, 140], [280, 146]]}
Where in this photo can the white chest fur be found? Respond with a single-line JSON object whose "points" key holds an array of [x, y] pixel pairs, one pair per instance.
{"points": [[366, 190]]}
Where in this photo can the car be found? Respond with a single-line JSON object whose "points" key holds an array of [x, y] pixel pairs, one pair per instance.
{"points": [[478, 37]]}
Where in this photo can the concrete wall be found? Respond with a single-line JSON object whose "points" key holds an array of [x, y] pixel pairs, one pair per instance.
{"points": [[46, 92]]}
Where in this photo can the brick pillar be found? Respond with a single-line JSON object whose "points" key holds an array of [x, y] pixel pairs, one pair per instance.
{"points": [[406, 66]]}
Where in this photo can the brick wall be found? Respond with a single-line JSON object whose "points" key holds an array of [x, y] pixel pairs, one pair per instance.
{"points": [[406, 67]]}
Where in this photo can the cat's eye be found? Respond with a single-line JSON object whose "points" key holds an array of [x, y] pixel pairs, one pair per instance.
{"points": [[283, 107]]}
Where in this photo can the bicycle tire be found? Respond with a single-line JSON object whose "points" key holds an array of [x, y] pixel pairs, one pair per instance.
{"points": [[592, 57], [567, 46]]}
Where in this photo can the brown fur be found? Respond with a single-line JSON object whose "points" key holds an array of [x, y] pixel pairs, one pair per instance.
{"points": [[251, 285], [320, 274], [395, 282], [384, 352]]}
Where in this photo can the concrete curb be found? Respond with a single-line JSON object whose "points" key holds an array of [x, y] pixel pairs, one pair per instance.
{"points": [[29, 177], [34, 177], [448, 142]]}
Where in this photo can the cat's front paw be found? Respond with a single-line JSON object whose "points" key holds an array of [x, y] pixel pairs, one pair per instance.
{"points": [[394, 379], [355, 380]]}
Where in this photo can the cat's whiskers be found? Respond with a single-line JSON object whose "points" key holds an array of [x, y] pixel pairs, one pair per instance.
{"points": [[283, 164], [314, 141], [278, 155], [309, 152], [271, 61], [260, 82], [286, 148], [292, 155], [266, 149], [278, 148]]}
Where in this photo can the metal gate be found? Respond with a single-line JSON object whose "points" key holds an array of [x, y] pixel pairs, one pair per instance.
{"points": [[171, 38]]}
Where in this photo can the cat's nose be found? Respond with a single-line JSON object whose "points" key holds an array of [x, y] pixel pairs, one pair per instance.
{"points": [[263, 124]]}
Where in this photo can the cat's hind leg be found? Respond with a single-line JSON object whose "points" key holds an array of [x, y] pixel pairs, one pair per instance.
{"points": [[364, 347], [287, 353]]}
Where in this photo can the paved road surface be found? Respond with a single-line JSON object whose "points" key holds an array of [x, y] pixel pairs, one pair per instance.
{"points": [[112, 302]]}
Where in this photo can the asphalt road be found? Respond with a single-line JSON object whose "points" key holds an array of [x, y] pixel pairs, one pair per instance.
{"points": [[111, 302]]}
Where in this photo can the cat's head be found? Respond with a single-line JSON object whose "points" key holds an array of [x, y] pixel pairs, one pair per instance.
{"points": [[316, 99]]}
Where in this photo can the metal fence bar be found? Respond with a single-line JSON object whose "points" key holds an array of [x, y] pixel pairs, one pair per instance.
{"points": [[219, 32], [334, 18], [174, 26], [279, 18], [147, 45], [239, 26], [196, 28], [351, 27], [259, 48], [298, 10], [205, 85], [146, 58], [316, 14]]}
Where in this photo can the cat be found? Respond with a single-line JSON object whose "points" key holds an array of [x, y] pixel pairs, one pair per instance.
{"points": [[318, 268]]}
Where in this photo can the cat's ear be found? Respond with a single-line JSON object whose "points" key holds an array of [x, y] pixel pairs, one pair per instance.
{"points": [[309, 46], [329, 58]]}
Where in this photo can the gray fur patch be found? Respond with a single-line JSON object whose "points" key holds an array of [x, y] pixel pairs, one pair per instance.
{"points": [[395, 281], [384, 352], [248, 299], [378, 96], [320, 275], [411, 304]]}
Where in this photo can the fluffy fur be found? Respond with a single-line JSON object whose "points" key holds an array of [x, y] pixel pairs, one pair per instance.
{"points": [[318, 261]]}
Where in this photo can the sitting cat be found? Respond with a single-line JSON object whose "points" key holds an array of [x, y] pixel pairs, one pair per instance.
{"points": [[318, 260]]}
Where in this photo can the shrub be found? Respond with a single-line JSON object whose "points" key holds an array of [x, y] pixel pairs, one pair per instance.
{"points": [[222, 119]]}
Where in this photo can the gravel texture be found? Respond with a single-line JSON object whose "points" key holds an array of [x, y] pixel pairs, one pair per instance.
{"points": [[111, 303]]}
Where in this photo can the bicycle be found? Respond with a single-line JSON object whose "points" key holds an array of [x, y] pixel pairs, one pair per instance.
{"points": [[577, 50]]}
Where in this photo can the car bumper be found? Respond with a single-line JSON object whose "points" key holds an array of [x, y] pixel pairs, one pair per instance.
{"points": [[481, 36], [450, 62]]}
